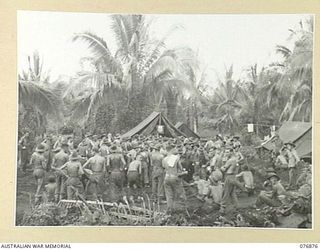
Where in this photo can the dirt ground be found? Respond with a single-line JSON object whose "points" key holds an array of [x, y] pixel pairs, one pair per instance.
{"points": [[26, 187]]}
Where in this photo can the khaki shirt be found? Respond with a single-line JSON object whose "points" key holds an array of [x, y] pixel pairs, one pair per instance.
{"points": [[135, 166], [278, 189], [231, 166], [281, 159], [292, 158]]}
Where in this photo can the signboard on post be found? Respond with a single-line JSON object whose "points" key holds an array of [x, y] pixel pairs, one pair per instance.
{"points": [[250, 128], [273, 130]]}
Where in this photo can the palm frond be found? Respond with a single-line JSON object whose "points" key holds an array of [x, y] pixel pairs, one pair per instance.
{"points": [[229, 72], [284, 51], [36, 96], [98, 47], [155, 52], [122, 34], [164, 64], [293, 113], [36, 64], [89, 104], [286, 110], [24, 76]]}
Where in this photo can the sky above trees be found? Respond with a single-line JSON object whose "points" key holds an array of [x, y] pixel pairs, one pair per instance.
{"points": [[220, 40]]}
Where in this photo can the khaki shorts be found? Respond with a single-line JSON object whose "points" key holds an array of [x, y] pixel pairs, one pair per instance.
{"points": [[39, 173]]}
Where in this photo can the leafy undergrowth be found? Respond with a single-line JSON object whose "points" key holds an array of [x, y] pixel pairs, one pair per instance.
{"points": [[296, 216]]}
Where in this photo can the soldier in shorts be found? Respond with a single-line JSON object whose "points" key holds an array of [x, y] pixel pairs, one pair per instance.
{"points": [[157, 173], [133, 175], [73, 171], [97, 164], [115, 166], [172, 183], [39, 164], [59, 159]]}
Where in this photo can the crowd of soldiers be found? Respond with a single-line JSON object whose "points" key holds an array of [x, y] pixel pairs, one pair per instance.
{"points": [[114, 167]]}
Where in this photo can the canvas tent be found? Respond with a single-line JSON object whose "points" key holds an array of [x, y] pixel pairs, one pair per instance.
{"points": [[300, 133], [150, 124], [186, 130]]}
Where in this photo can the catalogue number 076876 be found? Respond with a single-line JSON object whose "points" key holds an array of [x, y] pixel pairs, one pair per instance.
{"points": [[308, 246]]}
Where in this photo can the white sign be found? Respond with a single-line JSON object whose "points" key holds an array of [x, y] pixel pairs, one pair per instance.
{"points": [[250, 128], [160, 129]]}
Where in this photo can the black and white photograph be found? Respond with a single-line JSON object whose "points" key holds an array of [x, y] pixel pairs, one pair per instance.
{"points": [[164, 120]]}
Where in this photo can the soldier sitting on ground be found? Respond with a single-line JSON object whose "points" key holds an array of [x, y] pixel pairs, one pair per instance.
{"points": [[274, 192]]}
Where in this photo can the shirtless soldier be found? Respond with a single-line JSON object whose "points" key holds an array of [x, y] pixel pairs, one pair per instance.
{"points": [[59, 159], [97, 164], [115, 166]]}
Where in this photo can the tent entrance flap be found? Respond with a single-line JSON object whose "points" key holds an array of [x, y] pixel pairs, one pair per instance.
{"points": [[149, 126]]}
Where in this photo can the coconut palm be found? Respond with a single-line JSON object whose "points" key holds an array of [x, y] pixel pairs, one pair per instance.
{"points": [[138, 62], [37, 99], [170, 80], [295, 85], [255, 107], [196, 95], [34, 90], [226, 102]]}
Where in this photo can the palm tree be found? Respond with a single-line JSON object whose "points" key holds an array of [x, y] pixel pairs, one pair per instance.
{"points": [[295, 85], [173, 78], [256, 108], [38, 97], [140, 61], [35, 94], [196, 95], [226, 102]]}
